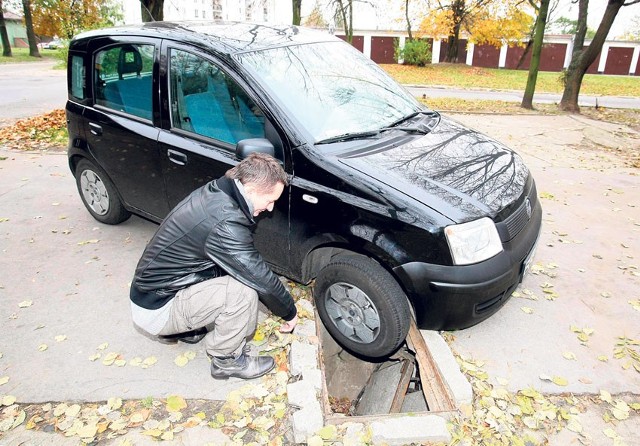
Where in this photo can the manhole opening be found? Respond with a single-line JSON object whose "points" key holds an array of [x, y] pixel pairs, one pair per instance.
{"points": [[360, 387]]}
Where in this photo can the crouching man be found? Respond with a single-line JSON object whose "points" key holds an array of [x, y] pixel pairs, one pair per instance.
{"points": [[200, 276]]}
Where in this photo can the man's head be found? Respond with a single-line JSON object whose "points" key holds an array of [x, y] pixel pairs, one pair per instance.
{"points": [[263, 179]]}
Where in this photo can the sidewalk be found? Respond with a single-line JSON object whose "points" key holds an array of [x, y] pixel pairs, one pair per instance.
{"points": [[516, 96], [65, 278]]}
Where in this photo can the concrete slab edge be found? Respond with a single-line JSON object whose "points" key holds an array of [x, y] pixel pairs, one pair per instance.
{"points": [[461, 389]]}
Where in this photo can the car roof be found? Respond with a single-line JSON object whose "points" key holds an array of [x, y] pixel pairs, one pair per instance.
{"points": [[225, 37]]}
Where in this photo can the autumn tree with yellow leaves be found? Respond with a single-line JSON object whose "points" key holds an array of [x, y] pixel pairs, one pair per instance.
{"points": [[66, 18], [492, 22]]}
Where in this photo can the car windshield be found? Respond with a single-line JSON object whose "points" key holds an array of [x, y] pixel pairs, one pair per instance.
{"points": [[331, 88]]}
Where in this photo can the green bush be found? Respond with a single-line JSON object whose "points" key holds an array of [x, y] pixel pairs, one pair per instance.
{"points": [[415, 52]]}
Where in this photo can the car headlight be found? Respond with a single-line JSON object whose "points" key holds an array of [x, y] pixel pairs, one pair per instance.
{"points": [[473, 242]]}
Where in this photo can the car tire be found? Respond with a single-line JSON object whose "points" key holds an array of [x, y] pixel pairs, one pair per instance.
{"points": [[362, 306], [99, 194]]}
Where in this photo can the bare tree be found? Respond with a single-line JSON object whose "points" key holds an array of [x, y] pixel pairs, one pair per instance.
{"points": [[406, 16], [31, 36], [6, 44], [344, 13], [152, 10], [541, 21], [582, 57]]}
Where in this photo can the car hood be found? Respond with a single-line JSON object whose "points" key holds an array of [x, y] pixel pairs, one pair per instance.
{"points": [[458, 172]]}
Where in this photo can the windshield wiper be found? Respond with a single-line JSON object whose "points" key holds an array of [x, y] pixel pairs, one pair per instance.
{"points": [[370, 133], [413, 115]]}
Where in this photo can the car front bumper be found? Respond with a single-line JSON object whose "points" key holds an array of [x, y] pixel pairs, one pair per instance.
{"points": [[456, 297]]}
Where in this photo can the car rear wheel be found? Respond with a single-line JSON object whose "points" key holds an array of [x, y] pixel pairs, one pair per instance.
{"points": [[99, 194], [362, 306]]}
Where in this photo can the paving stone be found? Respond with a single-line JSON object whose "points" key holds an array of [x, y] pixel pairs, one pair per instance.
{"points": [[307, 329], [307, 422], [301, 394], [354, 434], [314, 377], [410, 429], [303, 357]]}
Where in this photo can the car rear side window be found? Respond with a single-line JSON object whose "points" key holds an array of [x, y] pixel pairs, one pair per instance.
{"points": [[206, 101], [78, 85], [123, 79]]}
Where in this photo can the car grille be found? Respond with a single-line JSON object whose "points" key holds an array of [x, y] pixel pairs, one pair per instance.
{"points": [[519, 219]]}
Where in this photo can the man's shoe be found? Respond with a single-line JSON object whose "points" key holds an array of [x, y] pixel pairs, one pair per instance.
{"points": [[191, 337], [244, 366]]}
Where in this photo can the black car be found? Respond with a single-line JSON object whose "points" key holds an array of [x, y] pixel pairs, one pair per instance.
{"points": [[393, 208]]}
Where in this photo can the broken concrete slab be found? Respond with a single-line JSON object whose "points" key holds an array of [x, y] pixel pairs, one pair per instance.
{"points": [[385, 387]]}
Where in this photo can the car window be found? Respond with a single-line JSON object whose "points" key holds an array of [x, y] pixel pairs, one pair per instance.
{"points": [[332, 89], [208, 102], [77, 77], [123, 77]]}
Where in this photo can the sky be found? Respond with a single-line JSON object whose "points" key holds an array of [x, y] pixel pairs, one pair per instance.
{"points": [[367, 16], [622, 23]]}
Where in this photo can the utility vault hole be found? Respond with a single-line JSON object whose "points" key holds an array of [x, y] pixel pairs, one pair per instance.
{"points": [[364, 387]]}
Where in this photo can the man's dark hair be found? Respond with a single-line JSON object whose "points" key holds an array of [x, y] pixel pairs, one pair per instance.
{"points": [[260, 169]]}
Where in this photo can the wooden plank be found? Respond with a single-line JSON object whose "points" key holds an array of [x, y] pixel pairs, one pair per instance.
{"points": [[435, 390], [403, 385]]}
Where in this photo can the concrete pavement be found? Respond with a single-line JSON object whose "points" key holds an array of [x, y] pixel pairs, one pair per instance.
{"points": [[66, 275]]}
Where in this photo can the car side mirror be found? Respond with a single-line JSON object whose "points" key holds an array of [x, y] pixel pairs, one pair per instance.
{"points": [[248, 146]]}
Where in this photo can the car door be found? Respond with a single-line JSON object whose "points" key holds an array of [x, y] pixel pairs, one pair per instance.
{"points": [[120, 129], [206, 112]]}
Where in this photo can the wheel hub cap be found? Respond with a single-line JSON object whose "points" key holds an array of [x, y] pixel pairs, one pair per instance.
{"points": [[352, 312], [94, 192]]}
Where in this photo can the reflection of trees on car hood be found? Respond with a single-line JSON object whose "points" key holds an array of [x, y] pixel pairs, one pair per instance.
{"points": [[454, 165]]}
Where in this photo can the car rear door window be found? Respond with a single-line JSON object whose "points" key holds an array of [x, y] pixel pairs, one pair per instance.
{"points": [[208, 102], [123, 79], [77, 77]]}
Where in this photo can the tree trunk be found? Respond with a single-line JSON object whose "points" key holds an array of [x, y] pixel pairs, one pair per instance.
{"points": [[350, 36], [582, 58], [458, 11], [297, 11], [346, 18], [406, 15], [31, 36], [6, 44], [452, 49], [152, 10], [541, 22]]}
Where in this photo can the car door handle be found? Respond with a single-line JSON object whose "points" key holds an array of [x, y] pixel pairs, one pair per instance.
{"points": [[177, 157], [95, 129]]}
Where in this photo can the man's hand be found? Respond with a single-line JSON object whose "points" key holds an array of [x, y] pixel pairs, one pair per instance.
{"points": [[288, 326]]}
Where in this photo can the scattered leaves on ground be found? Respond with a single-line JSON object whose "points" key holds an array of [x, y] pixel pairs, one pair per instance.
{"points": [[42, 132]]}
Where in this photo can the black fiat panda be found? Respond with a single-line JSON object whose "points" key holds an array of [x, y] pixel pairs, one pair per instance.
{"points": [[393, 209]]}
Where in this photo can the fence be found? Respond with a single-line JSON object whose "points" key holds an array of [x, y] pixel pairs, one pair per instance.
{"points": [[616, 57]]}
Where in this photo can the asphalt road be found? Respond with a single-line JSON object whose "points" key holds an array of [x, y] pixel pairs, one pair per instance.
{"points": [[29, 89]]}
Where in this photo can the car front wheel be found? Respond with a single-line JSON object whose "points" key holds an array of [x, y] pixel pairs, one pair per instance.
{"points": [[362, 306], [99, 194]]}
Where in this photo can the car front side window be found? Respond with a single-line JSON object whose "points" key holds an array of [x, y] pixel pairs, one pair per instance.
{"points": [[123, 79], [207, 102]]}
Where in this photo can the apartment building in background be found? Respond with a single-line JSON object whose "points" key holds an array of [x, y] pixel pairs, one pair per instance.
{"points": [[274, 11]]}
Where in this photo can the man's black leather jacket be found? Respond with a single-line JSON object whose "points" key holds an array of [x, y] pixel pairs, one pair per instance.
{"points": [[207, 235]]}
